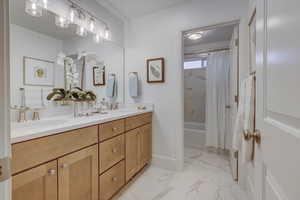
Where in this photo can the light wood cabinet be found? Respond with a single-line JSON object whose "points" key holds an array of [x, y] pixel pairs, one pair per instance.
{"points": [[137, 121], [138, 149], [112, 181], [31, 153], [111, 129], [90, 163], [132, 153], [39, 183], [78, 175], [145, 147], [112, 151]]}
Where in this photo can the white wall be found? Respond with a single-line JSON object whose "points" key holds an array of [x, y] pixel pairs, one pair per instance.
{"points": [[159, 35], [24, 42]]}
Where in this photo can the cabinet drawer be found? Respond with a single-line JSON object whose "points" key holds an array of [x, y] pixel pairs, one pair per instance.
{"points": [[39, 183], [34, 152], [111, 129], [111, 152], [136, 121], [112, 181]]}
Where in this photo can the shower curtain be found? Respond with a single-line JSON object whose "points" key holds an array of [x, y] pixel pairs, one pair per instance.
{"points": [[217, 115]]}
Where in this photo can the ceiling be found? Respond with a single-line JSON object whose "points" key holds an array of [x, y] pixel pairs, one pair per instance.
{"points": [[213, 35], [138, 8], [45, 24]]}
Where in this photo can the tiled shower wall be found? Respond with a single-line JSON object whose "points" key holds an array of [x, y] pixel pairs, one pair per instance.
{"points": [[194, 95]]}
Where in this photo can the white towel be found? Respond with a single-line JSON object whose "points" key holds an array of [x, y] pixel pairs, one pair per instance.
{"points": [[111, 86], [133, 85], [244, 119]]}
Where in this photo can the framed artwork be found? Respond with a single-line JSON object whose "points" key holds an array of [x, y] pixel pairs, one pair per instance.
{"points": [[38, 72], [252, 42], [156, 70], [99, 75]]}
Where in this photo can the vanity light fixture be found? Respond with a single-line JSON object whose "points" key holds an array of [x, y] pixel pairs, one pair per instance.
{"points": [[61, 22], [72, 14], [45, 4], [107, 33], [92, 25], [33, 9], [85, 21], [97, 38]]}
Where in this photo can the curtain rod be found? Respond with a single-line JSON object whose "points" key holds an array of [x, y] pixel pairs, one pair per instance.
{"points": [[208, 51]]}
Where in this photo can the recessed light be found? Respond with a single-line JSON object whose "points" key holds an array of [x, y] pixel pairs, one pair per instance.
{"points": [[195, 36]]}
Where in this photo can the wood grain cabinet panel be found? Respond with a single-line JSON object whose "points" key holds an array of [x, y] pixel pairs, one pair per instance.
{"points": [[137, 121], [78, 175], [132, 153], [111, 152], [34, 152], [39, 183], [145, 147], [111, 129], [112, 181]]}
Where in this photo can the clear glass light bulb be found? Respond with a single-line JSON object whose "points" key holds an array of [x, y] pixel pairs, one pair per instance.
{"points": [[61, 22], [92, 25], [72, 15], [45, 4], [107, 34], [32, 8], [81, 31], [97, 38]]}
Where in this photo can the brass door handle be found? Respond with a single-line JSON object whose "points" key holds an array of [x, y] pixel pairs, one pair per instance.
{"points": [[256, 136]]}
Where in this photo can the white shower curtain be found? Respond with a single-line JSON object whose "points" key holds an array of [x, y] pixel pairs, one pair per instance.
{"points": [[217, 115]]}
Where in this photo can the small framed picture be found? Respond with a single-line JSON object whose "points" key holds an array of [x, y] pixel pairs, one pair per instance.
{"points": [[38, 72], [156, 70], [99, 75]]}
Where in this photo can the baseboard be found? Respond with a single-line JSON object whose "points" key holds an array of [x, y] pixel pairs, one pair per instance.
{"points": [[164, 162]]}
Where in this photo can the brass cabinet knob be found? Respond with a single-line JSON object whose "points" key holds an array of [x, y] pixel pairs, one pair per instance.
{"points": [[114, 128], [114, 150], [114, 179]]}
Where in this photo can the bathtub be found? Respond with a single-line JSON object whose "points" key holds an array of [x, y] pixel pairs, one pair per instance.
{"points": [[194, 134]]}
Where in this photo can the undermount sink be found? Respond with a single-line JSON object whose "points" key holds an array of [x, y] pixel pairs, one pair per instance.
{"points": [[40, 123]]}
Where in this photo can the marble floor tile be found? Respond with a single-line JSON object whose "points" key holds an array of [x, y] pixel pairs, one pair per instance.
{"points": [[206, 176]]}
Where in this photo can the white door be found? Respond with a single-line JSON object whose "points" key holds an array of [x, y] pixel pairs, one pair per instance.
{"points": [[277, 162], [4, 101], [234, 93]]}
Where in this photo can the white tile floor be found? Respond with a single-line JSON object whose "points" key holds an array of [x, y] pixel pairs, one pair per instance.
{"points": [[206, 176]]}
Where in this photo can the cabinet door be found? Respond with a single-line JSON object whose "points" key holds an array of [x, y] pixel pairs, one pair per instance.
{"points": [[132, 148], [39, 183], [145, 145], [78, 175]]}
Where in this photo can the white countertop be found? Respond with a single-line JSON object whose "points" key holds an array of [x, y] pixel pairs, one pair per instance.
{"points": [[35, 129]]}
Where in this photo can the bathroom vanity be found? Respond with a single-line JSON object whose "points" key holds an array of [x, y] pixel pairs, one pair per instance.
{"points": [[93, 161]]}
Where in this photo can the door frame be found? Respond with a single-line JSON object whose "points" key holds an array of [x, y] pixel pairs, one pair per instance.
{"points": [[5, 147], [180, 139]]}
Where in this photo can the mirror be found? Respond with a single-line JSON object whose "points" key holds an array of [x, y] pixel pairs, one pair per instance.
{"points": [[45, 56]]}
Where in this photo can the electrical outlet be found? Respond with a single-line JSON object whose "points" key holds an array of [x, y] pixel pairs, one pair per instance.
{"points": [[5, 172]]}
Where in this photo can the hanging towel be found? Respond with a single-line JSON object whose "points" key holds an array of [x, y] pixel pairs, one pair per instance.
{"points": [[243, 119], [133, 85], [111, 86]]}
